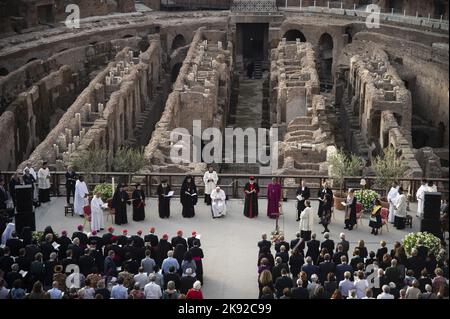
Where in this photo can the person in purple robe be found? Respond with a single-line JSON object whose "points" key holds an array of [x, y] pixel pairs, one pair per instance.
{"points": [[273, 198]]}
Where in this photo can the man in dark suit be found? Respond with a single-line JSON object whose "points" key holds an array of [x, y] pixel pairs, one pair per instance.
{"points": [[415, 263], [187, 282], [68, 260], [47, 247], [303, 194], [97, 255], [342, 268], [280, 243], [64, 243], [86, 262], [299, 292], [345, 243], [264, 245], [313, 248], [279, 266], [152, 238], [339, 253], [295, 241], [6, 261], [178, 239], [326, 267], [14, 244], [81, 236], [172, 276], [422, 251], [77, 251], [283, 282], [110, 268], [356, 259], [309, 268], [130, 264], [327, 243]]}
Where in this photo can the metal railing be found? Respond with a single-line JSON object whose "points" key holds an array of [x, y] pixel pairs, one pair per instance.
{"points": [[232, 184]]}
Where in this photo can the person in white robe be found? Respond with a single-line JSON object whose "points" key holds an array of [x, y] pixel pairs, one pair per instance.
{"points": [[400, 210], [431, 188], [392, 199], [306, 222], [219, 206], [80, 199], [420, 195], [7, 233], [44, 183], [97, 219], [210, 179]]}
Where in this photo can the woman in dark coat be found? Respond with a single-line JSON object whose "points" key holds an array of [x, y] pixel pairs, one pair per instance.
{"points": [[188, 197], [119, 204], [375, 217], [350, 210], [296, 262], [138, 197], [164, 199]]}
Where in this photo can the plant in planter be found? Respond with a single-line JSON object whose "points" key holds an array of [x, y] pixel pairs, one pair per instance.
{"points": [[92, 160], [430, 241], [341, 166], [130, 160], [366, 197], [387, 168]]}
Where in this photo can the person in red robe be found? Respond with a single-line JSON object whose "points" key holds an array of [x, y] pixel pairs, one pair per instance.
{"points": [[251, 191], [273, 198]]}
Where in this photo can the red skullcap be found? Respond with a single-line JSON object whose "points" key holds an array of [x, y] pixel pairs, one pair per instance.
{"points": [[139, 232], [80, 227], [194, 233], [152, 230], [94, 232], [165, 236], [124, 231]]}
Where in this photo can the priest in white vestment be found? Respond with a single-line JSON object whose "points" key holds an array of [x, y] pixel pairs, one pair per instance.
{"points": [[392, 199], [44, 183], [80, 198], [420, 195], [210, 179], [97, 220], [219, 206]]}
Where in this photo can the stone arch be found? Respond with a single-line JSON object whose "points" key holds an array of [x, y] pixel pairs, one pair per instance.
{"points": [[175, 71], [294, 34], [178, 42], [3, 71], [31, 60], [326, 46]]}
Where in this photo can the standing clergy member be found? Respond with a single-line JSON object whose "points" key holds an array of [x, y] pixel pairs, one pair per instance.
{"points": [[164, 199], [188, 197], [303, 194], [251, 191], [420, 195], [81, 193], [322, 192], [71, 178], [273, 199], [138, 197], [32, 172], [44, 183], [306, 222], [119, 204], [392, 199], [400, 210], [97, 220], [350, 210], [219, 207], [210, 179]]}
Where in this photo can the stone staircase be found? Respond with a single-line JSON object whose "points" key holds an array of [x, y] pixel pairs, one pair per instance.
{"points": [[258, 70]]}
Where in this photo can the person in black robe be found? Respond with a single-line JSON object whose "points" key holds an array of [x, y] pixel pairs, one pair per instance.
{"points": [[305, 194], [188, 197], [197, 256], [350, 210], [321, 195], [15, 180], [251, 191], [163, 199], [138, 197], [119, 204], [71, 178]]}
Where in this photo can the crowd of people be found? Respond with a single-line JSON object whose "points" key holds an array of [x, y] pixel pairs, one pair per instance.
{"points": [[88, 266], [313, 269]]}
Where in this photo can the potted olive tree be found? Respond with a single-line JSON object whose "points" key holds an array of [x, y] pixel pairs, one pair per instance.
{"points": [[387, 168], [89, 161], [341, 166], [129, 160]]}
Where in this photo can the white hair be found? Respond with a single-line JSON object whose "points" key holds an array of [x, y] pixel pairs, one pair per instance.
{"points": [[386, 289], [314, 278], [197, 285]]}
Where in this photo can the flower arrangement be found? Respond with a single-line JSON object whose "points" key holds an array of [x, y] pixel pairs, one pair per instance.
{"points": [[366, 197], [429, 240], [37, 236], [105, 190]]}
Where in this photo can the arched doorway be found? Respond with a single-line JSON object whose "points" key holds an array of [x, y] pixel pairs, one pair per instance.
{"points": [[293, 35], [326, 60], [175, 71], [178, 42], [3, 71]]}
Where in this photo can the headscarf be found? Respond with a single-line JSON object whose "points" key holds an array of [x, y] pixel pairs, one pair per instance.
{"points": [[7, 233]]}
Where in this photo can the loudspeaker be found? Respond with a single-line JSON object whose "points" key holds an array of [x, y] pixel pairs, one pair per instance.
{"points": [[24, 198], [432, 206], [25, 219], [431, 226]]}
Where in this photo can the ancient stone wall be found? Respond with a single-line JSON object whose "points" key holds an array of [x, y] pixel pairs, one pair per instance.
{"points": [[201, 92]]}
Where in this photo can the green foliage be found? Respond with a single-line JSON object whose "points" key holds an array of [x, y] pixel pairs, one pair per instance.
{"points": [[366, 197], [105, 190], [93, 160], [388, 168], [129, 160], [343, 165], [428, 240]]}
